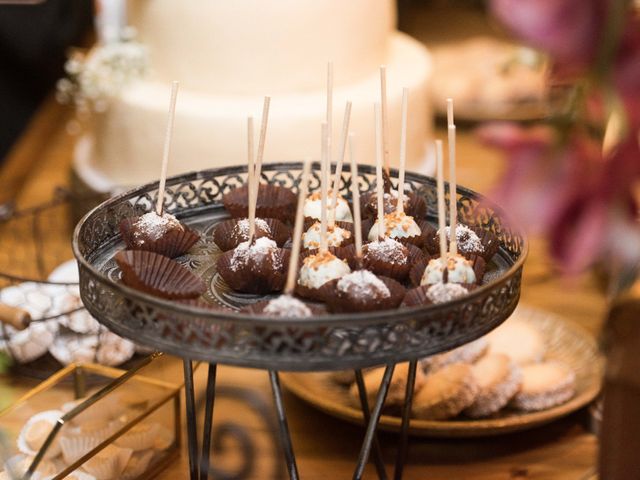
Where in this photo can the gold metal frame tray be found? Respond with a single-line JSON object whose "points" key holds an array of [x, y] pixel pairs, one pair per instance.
{"points": [[566, 342]]}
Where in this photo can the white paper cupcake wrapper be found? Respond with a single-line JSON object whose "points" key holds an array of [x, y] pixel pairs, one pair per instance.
{"points": [[50, 416], [139, 438]]}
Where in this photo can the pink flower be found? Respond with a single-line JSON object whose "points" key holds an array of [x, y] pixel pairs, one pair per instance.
{"points": [[569, 30]]}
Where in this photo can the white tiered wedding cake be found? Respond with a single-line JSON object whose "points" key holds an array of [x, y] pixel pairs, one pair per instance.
{"points": [[227, 55]]}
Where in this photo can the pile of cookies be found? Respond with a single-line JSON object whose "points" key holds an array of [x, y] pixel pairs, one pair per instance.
{"points": [[506, 369]]}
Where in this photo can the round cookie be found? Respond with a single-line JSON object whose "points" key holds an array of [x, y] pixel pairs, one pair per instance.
{"points": [[518, 340], [445, 393], [544, 385], [467, 353], [499, 379], [397, 387]]}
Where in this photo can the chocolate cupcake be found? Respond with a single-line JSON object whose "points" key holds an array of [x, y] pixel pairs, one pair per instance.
{"points": [[471, 241], [414, 204], [362, 291], [158, 275], [163, 234], [258, 267], [316, 270], [388, 258], [273, 201], [229, 234], [436, 293]]}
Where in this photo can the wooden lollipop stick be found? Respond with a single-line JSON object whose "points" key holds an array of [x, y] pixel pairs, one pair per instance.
{"points": [[355, 196], [252, 184], [441, 208], [379, 182], [297, 229], [329, 119], [339, 162], [261, 141], [453, 195], [403, 149], [167, 148], [17, 317], [324, 181], [385, 118]]}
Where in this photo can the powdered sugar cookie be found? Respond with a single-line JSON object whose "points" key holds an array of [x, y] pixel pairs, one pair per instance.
{"points": [[446, 393], [499, 379], [467, 353], [397, 387], [544, 385], [518, 340]]}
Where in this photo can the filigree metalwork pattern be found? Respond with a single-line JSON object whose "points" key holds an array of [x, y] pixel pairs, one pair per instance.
{"points": [[329, 342]]}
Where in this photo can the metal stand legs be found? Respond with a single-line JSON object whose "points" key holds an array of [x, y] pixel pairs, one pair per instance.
{"points": [[285, 438], [199, 465]]}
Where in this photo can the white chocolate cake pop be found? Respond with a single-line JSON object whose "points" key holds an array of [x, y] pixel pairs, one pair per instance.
{"points": [[459, 270], [336, 236], [259, 250], [321, 268], [313, 208], [397, 225]]}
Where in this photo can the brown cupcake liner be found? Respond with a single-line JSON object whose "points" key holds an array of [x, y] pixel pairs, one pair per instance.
{"points": [[416, 205], [338, 302], [426, 230], [478, 263], [345, 225], [252, 277], [418, 296], [274, 201], [392, 270], [226, 238], [314, 294], [160, 276], [172, 244]]}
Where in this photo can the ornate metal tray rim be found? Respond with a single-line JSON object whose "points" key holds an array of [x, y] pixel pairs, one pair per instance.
{"points": [[369, 318]]}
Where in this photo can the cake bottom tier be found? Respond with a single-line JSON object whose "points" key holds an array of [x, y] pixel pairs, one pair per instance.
{"points": [[125, 145]]}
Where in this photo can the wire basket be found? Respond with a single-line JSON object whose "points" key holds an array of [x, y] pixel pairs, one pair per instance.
{"points": [[43, 323]]}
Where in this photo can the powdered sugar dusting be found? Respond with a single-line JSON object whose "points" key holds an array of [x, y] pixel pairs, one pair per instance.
{"points": [[445, 292], [467, 240], [241, 228], [363, 283], [261, 249], [153, 226], [388, 250], [286, 306]]}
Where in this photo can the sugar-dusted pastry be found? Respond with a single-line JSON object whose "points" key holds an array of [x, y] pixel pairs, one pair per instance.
{"points": [[390, 258], [446, 393], [414, 204], [519, 340], [35, 432], [362, 291], [397, 387], [284, 306], [499, 379], [469, 241], [336, 236], [313, 207], [545, 385], [163, 234], [467, 353], [229, 234]]}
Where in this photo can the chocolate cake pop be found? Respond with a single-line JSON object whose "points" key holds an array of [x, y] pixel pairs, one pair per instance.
{"points": [[321, 267], [231, 233], [286, 305], [362, 290]]}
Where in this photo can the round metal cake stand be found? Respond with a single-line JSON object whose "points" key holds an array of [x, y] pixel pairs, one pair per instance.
{"points": [[330, 342]]}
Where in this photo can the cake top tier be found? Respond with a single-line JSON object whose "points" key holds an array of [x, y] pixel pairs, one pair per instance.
{"points": [[246, 46]]}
